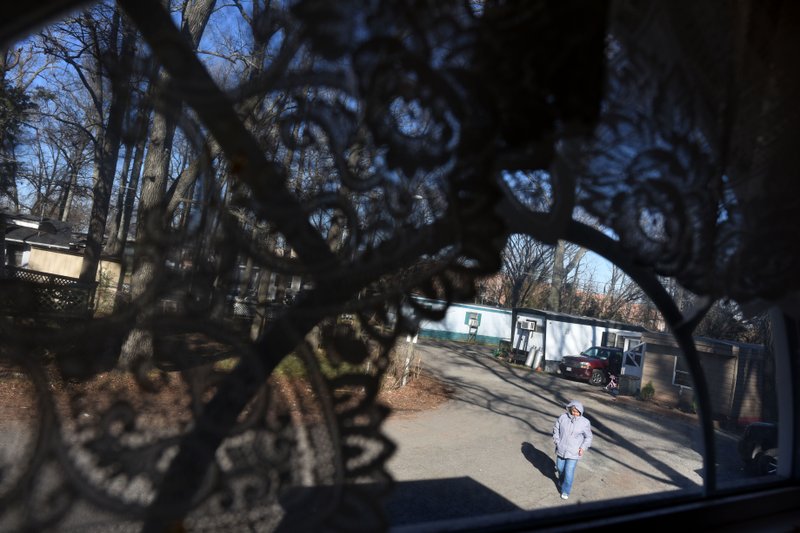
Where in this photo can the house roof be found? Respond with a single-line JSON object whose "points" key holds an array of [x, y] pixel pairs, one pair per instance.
{"points": [[18, 219], [48, 234], [564, 317], [469, 305]]}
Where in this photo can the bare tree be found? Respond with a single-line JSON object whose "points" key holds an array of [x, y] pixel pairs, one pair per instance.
{"points": [[99, 46], [724, 320], [55, 179], [15, 104], [138, 345], [135, 144], [109, 149], [45, 174], [566, 260], [620, 296], [73, 146], [526, 264]]}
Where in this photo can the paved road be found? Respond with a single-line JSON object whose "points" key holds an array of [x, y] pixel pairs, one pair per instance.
{"points": [[490, 449]]}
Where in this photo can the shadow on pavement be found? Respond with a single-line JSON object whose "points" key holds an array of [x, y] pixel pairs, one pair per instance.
{"points": [[551, 391], [429, 500], [542, 461]]}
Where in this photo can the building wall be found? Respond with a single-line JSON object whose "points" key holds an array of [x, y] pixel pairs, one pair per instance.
{"points": [[558, 335], [495, 324], [738, 376], [64, 263], [61, 263], [564, 338], [755, 398], [718, 361], [107, 279], [734, 375], [660, 361], [719, 371], [657, 371], [528, 344]]}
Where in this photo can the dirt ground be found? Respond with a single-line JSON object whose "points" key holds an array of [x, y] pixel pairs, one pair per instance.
{"points": [[424, 392], [421, 394], [18, 395]]}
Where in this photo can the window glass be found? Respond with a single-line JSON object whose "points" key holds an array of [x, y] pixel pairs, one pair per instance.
{"points": [[742, 384], [682, 376], [240, 239], [472, 319]]}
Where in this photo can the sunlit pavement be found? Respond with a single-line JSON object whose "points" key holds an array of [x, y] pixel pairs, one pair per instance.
{"points": [[490, 448]]}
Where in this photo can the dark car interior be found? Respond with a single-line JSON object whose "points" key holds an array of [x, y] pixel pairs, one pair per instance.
{"points": [[360, 153]]}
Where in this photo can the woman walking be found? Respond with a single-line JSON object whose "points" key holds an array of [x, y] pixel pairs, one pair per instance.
{"points": [[572, 435]]}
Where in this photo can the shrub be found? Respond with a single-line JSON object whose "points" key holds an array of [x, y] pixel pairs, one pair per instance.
{"points": [[647, 391]]}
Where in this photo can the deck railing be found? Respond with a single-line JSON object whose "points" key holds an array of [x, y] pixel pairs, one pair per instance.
{"points": [[26, 293]]}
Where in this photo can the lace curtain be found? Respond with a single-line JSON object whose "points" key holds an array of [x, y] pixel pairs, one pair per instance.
{"points": [[372, 156]]}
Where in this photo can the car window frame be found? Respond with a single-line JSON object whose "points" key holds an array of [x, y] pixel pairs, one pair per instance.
{"points": [[774, 502]]}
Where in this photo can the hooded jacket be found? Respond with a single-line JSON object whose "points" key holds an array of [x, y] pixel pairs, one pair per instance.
{"points": [[572, 432]]}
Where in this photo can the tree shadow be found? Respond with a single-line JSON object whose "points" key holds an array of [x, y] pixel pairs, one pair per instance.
{"points": [[551, 390], [541, 461]]}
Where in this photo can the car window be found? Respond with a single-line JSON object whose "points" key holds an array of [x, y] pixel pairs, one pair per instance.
{"points": [[338, 161]]}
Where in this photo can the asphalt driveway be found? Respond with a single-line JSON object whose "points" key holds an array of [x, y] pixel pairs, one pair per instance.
{"points": [[489, 450]]}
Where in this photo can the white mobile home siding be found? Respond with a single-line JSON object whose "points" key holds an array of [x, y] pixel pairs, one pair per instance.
{"points": [[558, 335], [494, 324], [566, 338], [529, 342]]}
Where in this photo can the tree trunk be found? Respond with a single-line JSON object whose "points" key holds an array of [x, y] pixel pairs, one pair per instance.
{"points": [[138, 346], [133, 181], [66, 203], [8, 151], [557, 280], [113, 247], [107, 157], [262, 295]]}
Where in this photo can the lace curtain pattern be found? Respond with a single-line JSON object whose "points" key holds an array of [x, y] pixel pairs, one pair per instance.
{"points": [[375, 153]]}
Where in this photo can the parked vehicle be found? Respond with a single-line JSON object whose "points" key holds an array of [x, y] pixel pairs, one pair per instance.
{"points": [[594, 364], [758, 448]]}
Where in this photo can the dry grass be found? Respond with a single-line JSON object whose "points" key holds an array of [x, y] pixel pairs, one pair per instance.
{"points": [[171, 399], [421, 394]]}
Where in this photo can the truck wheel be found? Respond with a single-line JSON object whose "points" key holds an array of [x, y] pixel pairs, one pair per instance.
{"points": [[598, 378]]}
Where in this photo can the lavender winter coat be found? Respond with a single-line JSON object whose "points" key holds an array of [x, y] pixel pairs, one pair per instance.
{"points": [[572, 432]]}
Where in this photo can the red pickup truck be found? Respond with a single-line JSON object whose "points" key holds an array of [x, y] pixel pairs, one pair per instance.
{"points": [[593, 364]]}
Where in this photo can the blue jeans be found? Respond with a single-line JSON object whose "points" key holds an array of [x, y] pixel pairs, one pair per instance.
{"points": [[566, 473]]}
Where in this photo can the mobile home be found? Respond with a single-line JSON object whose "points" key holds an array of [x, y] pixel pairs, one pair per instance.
{"points": [[542, 338], [467, 322]]}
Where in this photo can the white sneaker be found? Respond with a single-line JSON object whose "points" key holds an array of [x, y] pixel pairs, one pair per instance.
{"points": [[564, 495]]}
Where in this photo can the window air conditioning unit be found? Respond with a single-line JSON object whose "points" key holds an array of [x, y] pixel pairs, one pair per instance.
{"points": [[527, 324]]}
